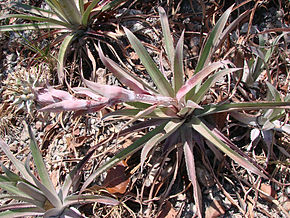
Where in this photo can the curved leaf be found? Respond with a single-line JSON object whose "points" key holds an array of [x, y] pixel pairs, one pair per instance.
{"points": [[169, 48], [158, 78], [122, 155], [202, 129], [178, 64], [198, 77], [227, 107], [61, 55]]}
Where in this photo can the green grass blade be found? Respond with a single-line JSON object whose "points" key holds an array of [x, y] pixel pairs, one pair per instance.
{"points": [[122, 155], [158, 78], [168, 41], [202, 129], [61, 55]]}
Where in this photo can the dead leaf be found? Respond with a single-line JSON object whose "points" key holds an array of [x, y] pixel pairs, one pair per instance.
{"points": [[268, 189], [117, 179], [167, 211], [286, 206], [214, 210]]}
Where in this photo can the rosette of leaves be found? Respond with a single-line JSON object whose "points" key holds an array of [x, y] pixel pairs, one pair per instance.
{"points": [[266, 124], [174, 107], [72, 19], [34, 194]]}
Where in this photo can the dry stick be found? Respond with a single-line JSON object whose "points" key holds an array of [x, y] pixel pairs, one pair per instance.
{"points": [[207, 164], [157, 175], [177, 164], [258, 190], [251, 19]]}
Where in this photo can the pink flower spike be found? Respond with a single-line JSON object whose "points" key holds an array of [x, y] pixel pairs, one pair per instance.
{"points": [[76, 105], [46, 96]]}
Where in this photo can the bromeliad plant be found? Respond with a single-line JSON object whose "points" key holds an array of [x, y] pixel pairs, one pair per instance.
{"points": [[174, 107], [35, 195], [73, 19]]}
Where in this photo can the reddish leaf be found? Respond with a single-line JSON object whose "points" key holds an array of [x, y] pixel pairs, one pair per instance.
{"points": [[197, 78], [117, 179], [167, 211], [121, 74]]}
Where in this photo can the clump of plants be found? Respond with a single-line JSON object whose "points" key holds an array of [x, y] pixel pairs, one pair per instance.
{"points": [[175, 107], [32, 191], [70, 20]]}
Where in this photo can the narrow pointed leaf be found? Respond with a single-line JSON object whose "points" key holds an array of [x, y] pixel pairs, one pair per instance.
{"points": [[124, 77], [71, 12], [21, 212], [198, 77], [33, 10], [169, 48], [111, 92], [213, 40], [202, 129], [11, 188], [61, 56], [36, 18], [190, 167], [178, 64], [29, 26], [158, 78], [12, 177], [39, 163], [32, 192], [50, 195], [112, 4], [228, 107], [82, 199], [169, 128], [202, 91], [135, 146], [73, 174], [88, 11], [18, 164]]}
